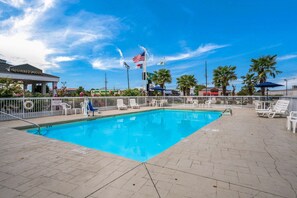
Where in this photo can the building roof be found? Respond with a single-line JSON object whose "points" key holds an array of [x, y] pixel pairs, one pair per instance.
{"points": [[22, 69]]}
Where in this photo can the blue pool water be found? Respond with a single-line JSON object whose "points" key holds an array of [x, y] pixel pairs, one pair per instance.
{"points": [[138, 136]]}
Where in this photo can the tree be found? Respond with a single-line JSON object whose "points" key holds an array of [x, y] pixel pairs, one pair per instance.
{"points": [[198, 88], [233, 90], [132, 92], [161, 77], [222, 75], [249, 80], [9, 88], [185, 83], [243, 91], [264, 67], [79, 90]]}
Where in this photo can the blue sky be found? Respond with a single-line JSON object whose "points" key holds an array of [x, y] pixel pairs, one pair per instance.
{"points": [[80, 40]]}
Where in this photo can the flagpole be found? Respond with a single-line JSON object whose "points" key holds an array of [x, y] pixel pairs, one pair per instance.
{"points": [[144, 72], [206, 78]]}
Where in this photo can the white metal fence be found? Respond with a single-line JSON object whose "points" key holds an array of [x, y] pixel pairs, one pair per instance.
{"points": [[50, 106]]}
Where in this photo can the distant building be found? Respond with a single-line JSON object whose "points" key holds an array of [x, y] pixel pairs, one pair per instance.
{"points": [[28, 75], [213, 91], [291, 92], [102, 92]]}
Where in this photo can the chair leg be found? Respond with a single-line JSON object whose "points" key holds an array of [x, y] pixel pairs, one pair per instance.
{"points": [[288, 123], [294, 126]]}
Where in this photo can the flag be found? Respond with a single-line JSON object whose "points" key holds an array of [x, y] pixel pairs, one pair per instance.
{"points": [[139, 66], [139, 57]]}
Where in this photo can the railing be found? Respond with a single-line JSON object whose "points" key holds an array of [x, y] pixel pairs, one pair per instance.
{"points": [[49, 106], [37, 125]]}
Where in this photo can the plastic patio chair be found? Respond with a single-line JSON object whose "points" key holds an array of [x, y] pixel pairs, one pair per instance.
{"points": [[91, 108], [133, 104], [121, 105], [66, 107], [292, 121]]}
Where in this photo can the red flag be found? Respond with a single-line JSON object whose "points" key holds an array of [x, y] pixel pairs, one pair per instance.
{"points": [[139, 57], [139, 66]]}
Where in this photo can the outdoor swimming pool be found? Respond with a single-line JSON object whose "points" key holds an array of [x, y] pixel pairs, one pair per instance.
{"points": [[138, 136]]}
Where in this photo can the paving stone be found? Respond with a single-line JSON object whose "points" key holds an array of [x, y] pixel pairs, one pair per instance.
{"points": [[58, 186], [248, 179], [4, 176], [7, 193], [238, 156], [42, 193], [13, 182], [227, 193]]}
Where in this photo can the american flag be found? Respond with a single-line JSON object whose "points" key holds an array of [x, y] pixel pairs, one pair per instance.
{"points": [[139, 66], [139, 57]]}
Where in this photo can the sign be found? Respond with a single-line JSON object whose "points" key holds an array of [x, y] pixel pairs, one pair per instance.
{"points": [[25, 71], [56, 102], [143, 76]]}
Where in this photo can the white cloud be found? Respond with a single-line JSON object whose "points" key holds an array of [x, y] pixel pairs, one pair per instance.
{"points": [[287, 57], [291, 80], [17, 49], [106, 64], [121, 55], [29, 38], [64, 58], [202, 49], [17, 44], [13, 3]]}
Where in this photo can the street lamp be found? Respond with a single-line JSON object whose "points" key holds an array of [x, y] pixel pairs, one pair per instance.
{"points": [[286, 80], [127, 67]]}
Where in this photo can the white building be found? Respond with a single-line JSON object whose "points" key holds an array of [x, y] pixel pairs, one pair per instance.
{"points": [[290, 92], [28, 75]]}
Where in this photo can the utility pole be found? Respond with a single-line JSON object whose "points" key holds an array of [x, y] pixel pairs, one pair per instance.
{"points": [[105, 82], [127, 67], [206, 77]]}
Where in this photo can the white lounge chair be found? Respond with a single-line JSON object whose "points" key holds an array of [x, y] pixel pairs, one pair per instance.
{"points": [[163, 102], [208, 103], [121, 105], [133, 104], [280, 109], [189, 100], [195, 102], [153, 102]]}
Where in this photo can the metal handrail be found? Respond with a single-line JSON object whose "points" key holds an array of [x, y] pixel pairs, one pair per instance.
{"points": [[37, 125]]}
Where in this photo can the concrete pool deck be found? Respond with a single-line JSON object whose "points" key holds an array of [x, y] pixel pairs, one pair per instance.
{"points": [[235, 156]]}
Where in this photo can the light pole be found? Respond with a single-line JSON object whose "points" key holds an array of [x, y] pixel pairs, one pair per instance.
{"points": [[286, 80], [206, 78], [127, 67]]}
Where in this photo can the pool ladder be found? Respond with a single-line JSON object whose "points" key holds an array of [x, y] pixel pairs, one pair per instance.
{"points": [[37, 125]]}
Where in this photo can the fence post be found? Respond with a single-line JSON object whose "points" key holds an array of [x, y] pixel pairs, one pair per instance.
{"points": [[105, 101], [241, 101], [23, 109]]}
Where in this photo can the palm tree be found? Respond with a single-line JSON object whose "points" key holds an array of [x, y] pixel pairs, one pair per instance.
{"points": [[185, 83], [249, 80], [161, 77], [222, 75], [264, 67]]}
